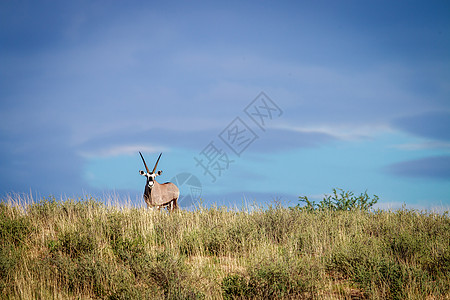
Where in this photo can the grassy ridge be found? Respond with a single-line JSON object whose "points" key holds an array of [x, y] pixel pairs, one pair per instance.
{"points": [[85, 249]]}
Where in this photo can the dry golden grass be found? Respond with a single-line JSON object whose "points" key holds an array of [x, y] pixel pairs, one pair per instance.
{"points": [[84, 249]]}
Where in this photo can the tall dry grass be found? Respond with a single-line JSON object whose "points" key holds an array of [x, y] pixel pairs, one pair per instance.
{"points": [[84, 249]]}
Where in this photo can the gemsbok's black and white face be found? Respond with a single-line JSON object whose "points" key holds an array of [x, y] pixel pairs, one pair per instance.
{"points": [[150, 177]]}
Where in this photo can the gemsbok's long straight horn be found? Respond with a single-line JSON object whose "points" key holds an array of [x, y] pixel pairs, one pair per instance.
{"points": [[145, 163], [154, 169]]}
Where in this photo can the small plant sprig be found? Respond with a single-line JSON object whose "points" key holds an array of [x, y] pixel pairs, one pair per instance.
{"points": [[339, 201]]}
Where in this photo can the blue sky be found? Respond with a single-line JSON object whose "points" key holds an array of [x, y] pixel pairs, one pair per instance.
{"points": [[362, 92]]}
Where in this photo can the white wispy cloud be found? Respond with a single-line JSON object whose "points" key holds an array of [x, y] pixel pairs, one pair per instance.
{"points": [[428, 145], [342, 132], [121, 150]]}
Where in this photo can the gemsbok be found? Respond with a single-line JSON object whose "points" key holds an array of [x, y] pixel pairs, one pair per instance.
{"points": [[159, 195]]}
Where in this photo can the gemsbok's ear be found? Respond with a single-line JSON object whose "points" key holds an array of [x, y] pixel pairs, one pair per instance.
{"points": [[158, 173], [142, 173]]}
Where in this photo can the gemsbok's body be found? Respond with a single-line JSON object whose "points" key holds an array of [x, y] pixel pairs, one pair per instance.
{"points": [[159, 195]]}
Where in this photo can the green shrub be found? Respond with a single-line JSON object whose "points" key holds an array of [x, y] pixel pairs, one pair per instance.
{"points": [[45, 208], [89, 275], [74, 243], [381, 273], [215, 240], [275, 278], [345, 200], [235, 286], [438, 264], [191, 243], [405, 246], [9, 259], [14, 228], [170, 273]]}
